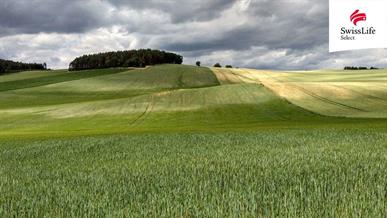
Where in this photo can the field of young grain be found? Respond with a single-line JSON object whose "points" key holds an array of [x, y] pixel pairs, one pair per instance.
{"points": [[332, 93], [175, 140]]}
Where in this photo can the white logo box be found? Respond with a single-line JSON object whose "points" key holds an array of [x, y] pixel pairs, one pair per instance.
{"points": [[339, 17]]}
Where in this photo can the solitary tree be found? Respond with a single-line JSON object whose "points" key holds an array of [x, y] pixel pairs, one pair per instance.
{"points": [[228, 66], [198, 63], [217, 65]]}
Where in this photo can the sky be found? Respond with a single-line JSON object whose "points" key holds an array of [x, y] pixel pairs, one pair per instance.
{"points": [[263, 34]]}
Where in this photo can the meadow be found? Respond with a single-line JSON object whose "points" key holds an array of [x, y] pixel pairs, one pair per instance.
{"points": [[176, 140]]}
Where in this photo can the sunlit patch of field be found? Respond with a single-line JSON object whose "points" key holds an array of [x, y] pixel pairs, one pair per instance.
{"points": [[165, 77], [163, 101], [360, 94]]}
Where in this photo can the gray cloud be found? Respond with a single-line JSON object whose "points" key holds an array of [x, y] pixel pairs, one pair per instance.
{"points": [[279, 34], [34, 16], [268, 23], [180, 11]]}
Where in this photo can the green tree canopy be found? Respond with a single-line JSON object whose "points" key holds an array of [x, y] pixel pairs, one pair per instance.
{"points": [[130, 58], [7, 66]]}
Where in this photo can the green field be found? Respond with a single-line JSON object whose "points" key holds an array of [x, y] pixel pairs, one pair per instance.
{"points": [[176, 140], [332, 93]]}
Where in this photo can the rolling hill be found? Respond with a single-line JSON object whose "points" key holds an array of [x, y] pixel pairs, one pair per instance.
{"points": [[331, 93], [174, 97], [176, 140]]}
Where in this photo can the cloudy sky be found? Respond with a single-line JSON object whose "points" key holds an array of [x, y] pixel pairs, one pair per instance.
{"points": [[277, 34]]}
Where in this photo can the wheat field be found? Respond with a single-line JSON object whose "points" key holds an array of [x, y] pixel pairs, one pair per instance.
{"points": [[185, 141]]}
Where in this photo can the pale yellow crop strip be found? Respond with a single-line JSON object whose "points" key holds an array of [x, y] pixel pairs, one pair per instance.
{"points": [[366, 97]]}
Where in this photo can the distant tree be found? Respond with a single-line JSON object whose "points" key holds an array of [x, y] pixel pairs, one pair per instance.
{"points": [[217, 65], [130, 58], [228, 66], [198, 63], [351, 68], [374, 68]]}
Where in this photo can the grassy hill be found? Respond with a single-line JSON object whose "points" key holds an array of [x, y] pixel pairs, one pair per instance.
{"points": [[175, 140], [162, 98], [332, 93]]}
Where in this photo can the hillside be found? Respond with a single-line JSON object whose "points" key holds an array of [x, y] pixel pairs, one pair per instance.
{"points": [[166, 97], [176, 140], [331, 93], [173, 97]]}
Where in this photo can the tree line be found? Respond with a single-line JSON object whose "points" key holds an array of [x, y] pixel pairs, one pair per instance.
{"points": [[360, 68], [130, 58], [198, 63], [7, 66]]}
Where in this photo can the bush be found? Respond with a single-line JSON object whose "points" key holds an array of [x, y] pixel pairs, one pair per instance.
{"points": [[217, 65], [198, 63], [228, 66]]}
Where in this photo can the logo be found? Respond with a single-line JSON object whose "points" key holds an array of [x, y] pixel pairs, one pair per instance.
{"points": [[350, 33], [356, 17], [356, 24]]}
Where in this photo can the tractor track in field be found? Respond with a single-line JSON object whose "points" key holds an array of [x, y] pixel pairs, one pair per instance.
{"points": [[362, 94], [284, 99], [225, 78], [245, 77], [149, 108], [243, 86], [316, 96], [326, 100]]}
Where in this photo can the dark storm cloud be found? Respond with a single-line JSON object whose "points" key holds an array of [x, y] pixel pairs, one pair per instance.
{"points": [[34, 16], [77, 16], [272, 25]]}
